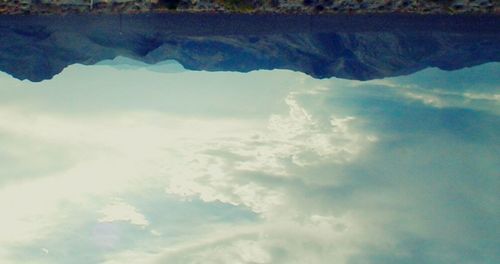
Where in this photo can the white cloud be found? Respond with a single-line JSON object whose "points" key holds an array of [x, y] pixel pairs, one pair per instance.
{"points": [[438, 97], [428, 99], [294, 139], [120, 211]]}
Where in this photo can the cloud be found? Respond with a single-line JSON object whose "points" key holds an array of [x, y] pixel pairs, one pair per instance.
{"points": [[215, 172], [466, 89], [120, 211], [318, 239], [321, 171]]}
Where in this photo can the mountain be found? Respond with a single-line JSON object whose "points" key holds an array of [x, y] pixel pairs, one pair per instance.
{"points": [[358, 47]]}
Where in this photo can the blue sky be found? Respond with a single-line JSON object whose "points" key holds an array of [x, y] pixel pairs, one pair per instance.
{"points": [[107, 164]]}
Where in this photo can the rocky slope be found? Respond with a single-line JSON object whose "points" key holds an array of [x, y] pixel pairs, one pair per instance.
{"points": [[247, 6], [37, 48]]}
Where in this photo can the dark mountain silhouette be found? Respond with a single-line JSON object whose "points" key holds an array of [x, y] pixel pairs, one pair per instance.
{"points": [[358, 47]]}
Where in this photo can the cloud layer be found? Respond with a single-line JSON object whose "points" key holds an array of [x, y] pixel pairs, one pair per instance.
{"points": [[264, 167]]}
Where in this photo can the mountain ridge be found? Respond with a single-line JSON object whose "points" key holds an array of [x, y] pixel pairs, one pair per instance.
{"points": [[36, 49]]}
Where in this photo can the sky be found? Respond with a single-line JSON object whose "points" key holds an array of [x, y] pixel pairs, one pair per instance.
{"points": [[110, 164]]}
